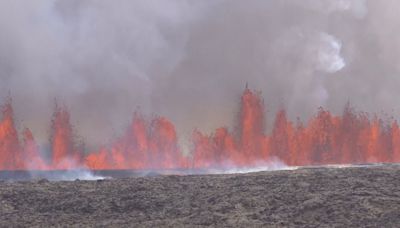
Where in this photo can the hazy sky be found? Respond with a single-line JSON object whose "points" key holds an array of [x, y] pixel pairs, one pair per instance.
{"points": [[190, 60]]}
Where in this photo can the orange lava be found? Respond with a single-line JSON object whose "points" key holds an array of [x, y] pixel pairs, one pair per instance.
{"points": [[153, 144]]}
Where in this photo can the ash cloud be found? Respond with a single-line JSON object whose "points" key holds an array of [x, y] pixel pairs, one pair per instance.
{"points": [[190, 60]]}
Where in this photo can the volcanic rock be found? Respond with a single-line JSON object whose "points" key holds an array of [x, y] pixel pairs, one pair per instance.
{"points": [[367, 196]]}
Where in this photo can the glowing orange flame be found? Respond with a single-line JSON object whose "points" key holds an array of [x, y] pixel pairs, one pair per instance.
{"points": [[325, 139], [10, 151], [64, 150]]}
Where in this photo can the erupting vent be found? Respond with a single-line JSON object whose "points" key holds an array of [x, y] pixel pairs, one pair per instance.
{"points": [[326, 139]]}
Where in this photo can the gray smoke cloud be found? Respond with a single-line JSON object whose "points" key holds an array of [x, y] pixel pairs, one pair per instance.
{"points": [[190, 60]]}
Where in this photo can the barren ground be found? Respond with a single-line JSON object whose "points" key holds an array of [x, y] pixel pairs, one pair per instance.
{"points": [[309, 197]]}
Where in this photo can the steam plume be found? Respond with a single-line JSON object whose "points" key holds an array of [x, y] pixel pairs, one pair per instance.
{"points": [[186, 59]]}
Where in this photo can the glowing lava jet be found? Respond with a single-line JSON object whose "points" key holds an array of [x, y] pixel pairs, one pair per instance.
{"points": [[152, 144], [10, 151]]}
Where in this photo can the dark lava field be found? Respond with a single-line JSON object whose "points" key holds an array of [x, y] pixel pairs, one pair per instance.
{"points": [[308, 197]]}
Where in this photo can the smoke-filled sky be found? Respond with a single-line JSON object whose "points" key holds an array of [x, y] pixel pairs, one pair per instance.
{"points": [[190, 60]]}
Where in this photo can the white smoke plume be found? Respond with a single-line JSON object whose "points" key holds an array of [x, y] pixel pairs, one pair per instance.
{"points": [[80, 172], [329, 56], [274, 164]]}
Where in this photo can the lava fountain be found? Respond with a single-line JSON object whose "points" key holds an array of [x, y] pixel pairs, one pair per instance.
{"points": [[349, 138]]}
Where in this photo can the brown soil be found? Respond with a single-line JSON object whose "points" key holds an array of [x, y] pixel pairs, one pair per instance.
{"points": [[312, 197]]}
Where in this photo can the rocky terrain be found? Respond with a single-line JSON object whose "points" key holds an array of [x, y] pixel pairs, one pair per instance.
{"points": [[308, 197]]}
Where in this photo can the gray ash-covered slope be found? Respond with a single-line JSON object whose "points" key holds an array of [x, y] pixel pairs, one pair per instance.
{"points": [[310, 197]]}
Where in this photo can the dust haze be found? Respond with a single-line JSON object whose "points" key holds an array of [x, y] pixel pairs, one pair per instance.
{"points": [[190, 60]]}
